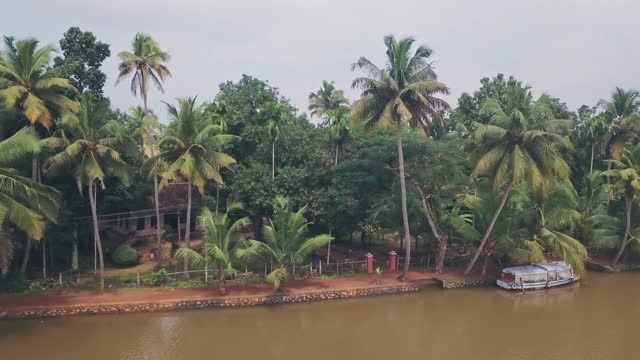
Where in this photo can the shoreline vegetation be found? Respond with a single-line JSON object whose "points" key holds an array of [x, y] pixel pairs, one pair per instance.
{"points": [[242, 190]]}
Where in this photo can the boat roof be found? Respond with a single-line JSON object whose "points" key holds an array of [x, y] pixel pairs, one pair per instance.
{"points": [[537, 268]]}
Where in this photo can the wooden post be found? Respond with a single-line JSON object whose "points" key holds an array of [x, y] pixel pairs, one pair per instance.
{"points": [[178, 228], [320, 267], [60, 279], [138, 279]]}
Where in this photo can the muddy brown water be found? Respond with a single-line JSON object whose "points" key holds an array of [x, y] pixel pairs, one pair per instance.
{"points": [[596, 320]]}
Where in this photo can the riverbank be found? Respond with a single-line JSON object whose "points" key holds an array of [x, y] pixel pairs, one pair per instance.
{"points": [[166, 299]]}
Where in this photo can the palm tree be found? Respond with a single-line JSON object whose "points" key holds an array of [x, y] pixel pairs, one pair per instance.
{"points": [[219, 231], [403, 92], [624, 121], [88, 142], [25, 204], [29, 86], [146, 62], [192, 146], [521, 143], [33, 91], [555, 216], [286, 240], [274, 113], [339, 128], [326, 100], [597, 130], [154, 166], [626, 174]]}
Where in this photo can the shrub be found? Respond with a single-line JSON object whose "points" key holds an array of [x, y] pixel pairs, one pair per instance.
{"points": [[125, 255]]}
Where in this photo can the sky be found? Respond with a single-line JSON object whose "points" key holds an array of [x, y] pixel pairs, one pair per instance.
{"points": [[577, 50]]}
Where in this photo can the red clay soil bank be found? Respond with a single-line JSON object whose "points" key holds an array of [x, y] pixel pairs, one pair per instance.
{"points": [[118, 301]]}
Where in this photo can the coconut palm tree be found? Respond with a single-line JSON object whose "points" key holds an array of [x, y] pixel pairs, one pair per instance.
{"points": [[219, 231], [25, 204], [339, 128], [147, 63], [327, 100], [154, 166], [624, 121], [192, 147], [626, 175], [33, 91], [597, 131], [403, 92], [29, 87], [286, 240], [555, 215], [274, 115], [521, 143], [88, 144]]}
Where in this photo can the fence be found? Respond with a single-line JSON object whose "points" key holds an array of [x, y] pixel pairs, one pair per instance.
{"points": [[416, 263]]}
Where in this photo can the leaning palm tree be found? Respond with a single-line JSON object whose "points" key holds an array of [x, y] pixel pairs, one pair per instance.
{"points": [[339, 128], [219, 231], [33, 91], [146, 62], [87, 142], [286, 240], [192, 147], [626, 175], [25, 204], [327, 100], [521, 143], [403, 92]]}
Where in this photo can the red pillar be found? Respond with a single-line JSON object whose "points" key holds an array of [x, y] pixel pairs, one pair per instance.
{"points": [[369, 257], [393, 261]]}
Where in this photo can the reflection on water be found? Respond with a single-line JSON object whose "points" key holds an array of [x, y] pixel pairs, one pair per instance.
{"points": [[595, 320]]}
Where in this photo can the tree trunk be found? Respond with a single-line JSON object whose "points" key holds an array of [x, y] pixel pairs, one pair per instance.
{"points": [[96, 232], [44, 259], [74, 251], [187, 230], [337, 148], [27, 249], [158, 236], [403, 199], [25, 259], [487, 234], [627, 230], [273, 160], [485, 263], [329, 248], [217, 199], [435, 229], [442, 251], [222, 277], [593, 147]]}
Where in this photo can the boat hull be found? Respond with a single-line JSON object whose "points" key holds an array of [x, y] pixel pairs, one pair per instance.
{"points": [[536, 285]]}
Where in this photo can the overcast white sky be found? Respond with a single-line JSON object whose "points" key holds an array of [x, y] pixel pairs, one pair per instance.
{"points": [[578, 50]]}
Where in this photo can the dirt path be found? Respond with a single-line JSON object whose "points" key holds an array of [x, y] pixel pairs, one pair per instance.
{"points": [[139, 296]]}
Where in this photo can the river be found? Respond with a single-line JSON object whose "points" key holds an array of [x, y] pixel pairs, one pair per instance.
{"points": [[596, 320]]}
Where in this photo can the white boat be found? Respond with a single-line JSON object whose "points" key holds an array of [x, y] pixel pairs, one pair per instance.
{"points": [[537, 276]]}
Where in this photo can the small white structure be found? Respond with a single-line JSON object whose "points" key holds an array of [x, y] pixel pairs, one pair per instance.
{"points": [[537, 276]]}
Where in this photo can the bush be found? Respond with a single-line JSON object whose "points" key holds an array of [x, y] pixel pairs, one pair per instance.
{"points": [[125, 255]]}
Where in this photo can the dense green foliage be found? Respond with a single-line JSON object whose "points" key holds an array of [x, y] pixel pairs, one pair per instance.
{"points": [[502, 176], [125, 255]]}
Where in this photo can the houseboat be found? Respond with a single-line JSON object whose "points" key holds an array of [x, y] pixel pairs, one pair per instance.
{"points": [[537, 276]]}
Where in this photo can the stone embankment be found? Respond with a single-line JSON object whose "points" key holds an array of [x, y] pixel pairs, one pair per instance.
{"points": [[276, 299]]}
